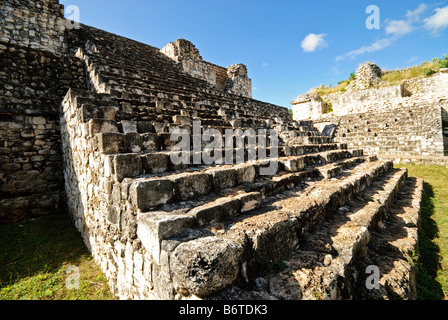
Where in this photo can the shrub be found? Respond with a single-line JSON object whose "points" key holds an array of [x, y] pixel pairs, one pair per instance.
{"points": [[428, 72], [443, 63]]}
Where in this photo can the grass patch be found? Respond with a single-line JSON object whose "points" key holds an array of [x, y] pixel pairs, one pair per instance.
{"points": [[424, 70], [34, 258], [323, 90], [391, 78], [433, 255]]}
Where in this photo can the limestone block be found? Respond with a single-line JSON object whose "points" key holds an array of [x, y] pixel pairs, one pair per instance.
{"points": [[150, 142], [110, 143], [245, 173], [223, 178], [133, 142], [155, 226], [249, 201], [101, 125], [145, 127], [129, 126], [154, 163], [148, 194], [127, 166], [205, 266], [191, 185], [182, 120]]}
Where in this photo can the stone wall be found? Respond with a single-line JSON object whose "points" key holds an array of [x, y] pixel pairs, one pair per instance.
{"points": [[438, 83], [410, 131], [32, 84], [309, 106], [367, 93], [233, 79], [360, 100], [34, 24]]}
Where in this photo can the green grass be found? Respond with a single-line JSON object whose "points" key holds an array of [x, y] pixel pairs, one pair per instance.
{"points": [[34, 258], [35, 255], [433, 255]]}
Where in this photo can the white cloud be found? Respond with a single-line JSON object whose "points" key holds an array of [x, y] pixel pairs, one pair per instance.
{"points": [[395, 29], [313, 41], [438, 21], [415, 15], [265, 64], [376, 46], [399, 27]]}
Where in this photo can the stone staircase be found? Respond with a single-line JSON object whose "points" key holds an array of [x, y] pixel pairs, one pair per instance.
{"points": [[162, 229], [408, 131]]}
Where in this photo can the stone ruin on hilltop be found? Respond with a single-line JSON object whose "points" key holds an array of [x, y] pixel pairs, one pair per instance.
{"points": [[90, 122]]}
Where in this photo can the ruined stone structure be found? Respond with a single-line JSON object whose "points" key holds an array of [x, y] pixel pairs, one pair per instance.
{"points": [[404, 122], [114, 111], [233, 79]]}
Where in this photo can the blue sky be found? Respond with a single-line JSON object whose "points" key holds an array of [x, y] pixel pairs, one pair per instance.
{"points": [[289, 47]]}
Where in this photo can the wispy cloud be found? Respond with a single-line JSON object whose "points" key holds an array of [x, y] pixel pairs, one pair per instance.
{"points": [[313, 41], [399, 27], [438, 21], [395, 29], [415, 15], [376, 46], [265, 64]]}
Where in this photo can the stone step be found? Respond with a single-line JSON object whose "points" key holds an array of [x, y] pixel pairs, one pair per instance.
{"points": [[324, 265], [394, 249], [131, 165], [246, 245], [157, 190], [230, 202]]}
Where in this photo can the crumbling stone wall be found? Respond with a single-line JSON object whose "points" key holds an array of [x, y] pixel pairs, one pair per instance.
{"points": [[238, 80], [367, 93], [233, 79], [35, 24], [368, 75], [32, 84]]}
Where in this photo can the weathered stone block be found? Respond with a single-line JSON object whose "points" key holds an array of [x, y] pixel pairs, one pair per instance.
{"points": [[129, 126], [155, 163], [182, 120], [127, 166], [150, 142], [249, 201], [245, 173], [133, 142], [205, 266], [223, 178], [145, 127], [110, 143], [155, 226], [101, 125], [151, 193], [191, 185]]}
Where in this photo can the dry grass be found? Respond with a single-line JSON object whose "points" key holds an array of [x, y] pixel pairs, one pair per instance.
{"points": [[397, 76], [327, 90]]}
